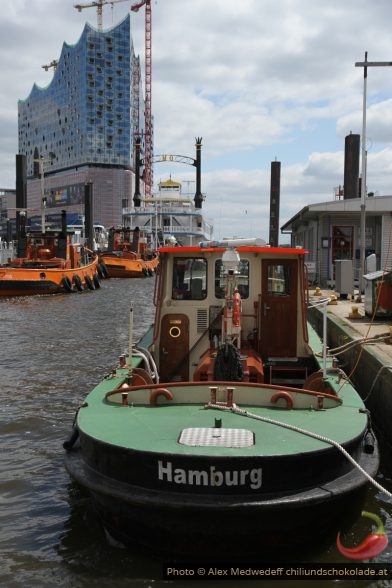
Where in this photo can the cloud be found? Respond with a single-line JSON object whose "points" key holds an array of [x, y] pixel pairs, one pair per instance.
{"points": [[257, 80]]}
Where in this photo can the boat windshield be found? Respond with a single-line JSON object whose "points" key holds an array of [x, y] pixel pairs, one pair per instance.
{"points": [[242, 279], [189, 278]]}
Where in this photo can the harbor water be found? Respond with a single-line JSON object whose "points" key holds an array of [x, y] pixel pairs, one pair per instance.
{"points": [[53, 351]]}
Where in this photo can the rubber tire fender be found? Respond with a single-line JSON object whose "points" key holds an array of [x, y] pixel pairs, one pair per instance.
{"points": [[96, 281], [78, 282], [102, 270], [89, 283], [67, 284]]}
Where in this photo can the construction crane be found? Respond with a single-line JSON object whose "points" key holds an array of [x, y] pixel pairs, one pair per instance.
{"points": [[99, 4], [148, 175], [54, 63]]}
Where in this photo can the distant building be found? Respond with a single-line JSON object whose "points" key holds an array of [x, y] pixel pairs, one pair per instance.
{"points": [[82, 126], [7, 213], [332, 230]]}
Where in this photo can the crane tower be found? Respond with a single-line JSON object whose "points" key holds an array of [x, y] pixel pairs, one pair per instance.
{"points": [[148, 174], [99, 4]]}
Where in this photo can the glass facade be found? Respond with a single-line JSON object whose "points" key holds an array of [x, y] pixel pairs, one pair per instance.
{"points": [[86, 115]]}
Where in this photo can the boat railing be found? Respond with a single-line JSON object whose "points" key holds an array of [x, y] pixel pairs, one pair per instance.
{"points": [[324, 303], [174, 208]]}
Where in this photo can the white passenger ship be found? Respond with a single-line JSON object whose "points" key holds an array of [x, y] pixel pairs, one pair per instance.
{"points": [[170, 217]]}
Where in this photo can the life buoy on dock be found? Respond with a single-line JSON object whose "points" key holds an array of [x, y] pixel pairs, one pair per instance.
{"points": [[285, 396], [159, 392], [67, 284]]}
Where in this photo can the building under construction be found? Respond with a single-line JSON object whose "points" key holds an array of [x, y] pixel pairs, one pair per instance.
{"points": [[81, 128]]}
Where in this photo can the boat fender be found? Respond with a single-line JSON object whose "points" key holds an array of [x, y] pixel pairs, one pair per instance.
{"points": [[69, 443], [159, 392], [89, 283], [102, 271], [369, 442], [67, 284], [145, 271], [286, 396], [96, 281], [78, 283]]}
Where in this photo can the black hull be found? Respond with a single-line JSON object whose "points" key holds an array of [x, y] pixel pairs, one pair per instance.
{"points": [[29, 287], [177, 524]]}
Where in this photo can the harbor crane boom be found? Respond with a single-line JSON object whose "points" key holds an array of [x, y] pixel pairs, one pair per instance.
{"points": [[99, 4], [54, 63], [148, 174]]}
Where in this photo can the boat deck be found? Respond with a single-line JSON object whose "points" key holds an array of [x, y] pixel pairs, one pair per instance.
{"points": [[158, 428]]}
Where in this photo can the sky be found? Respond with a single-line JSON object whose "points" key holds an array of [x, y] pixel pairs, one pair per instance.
{"points": [[258, 80]]}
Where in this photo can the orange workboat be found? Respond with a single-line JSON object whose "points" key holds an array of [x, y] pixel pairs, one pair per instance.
{"points": [[129, 255], [49, 263]]}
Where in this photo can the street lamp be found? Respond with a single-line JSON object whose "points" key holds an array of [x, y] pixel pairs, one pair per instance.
{"points": [[365, 64]]}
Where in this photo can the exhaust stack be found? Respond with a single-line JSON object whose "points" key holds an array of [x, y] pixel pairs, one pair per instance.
{"points": [[274, 204]]}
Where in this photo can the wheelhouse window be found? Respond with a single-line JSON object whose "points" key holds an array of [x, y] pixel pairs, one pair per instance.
{"points": [[242, 279], [189, 278], [279, 280]]}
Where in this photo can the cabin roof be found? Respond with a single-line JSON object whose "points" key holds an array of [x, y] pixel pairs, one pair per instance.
{"points": [[244, 248]]}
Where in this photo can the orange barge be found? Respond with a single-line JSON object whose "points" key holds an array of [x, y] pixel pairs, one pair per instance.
{"points": [[129, 255], [49, 263]]}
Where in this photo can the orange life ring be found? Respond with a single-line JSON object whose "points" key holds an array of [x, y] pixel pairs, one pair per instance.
{"points": [[159, 392], [236, 316], [286, 396]]}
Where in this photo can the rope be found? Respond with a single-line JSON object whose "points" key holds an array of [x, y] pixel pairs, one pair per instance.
{"points": [[241, 412], [343, 348], [383, 367]]}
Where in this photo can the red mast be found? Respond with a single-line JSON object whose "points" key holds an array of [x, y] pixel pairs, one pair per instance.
{"points": [[148, 175]]}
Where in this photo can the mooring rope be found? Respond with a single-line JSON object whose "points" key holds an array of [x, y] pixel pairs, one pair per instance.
{"points": [[234, 409]]}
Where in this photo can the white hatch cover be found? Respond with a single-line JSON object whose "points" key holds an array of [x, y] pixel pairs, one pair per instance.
{"points": [[216, 437]]}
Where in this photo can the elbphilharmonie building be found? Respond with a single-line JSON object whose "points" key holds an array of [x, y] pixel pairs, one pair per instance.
{"points": [[81, 128]]}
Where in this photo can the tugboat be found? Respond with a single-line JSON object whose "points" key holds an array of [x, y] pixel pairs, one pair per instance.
{"points": [[227, 429], [48, 262], [129, 254]]}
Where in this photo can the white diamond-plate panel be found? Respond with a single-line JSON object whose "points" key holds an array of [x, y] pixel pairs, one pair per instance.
{"points": [[216, 437]]}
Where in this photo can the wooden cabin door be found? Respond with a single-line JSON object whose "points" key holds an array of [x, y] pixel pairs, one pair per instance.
{"points": [[278, 308], [174, 348]]}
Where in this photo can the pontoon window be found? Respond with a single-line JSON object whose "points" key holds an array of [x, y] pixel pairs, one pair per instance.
{"points": [[279, 283], [189, 278], [242, 278]]}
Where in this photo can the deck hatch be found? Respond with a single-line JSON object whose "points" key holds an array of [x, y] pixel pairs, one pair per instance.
{"points": [[216, 437]]}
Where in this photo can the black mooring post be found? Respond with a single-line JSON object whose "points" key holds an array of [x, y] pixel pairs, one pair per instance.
{"points": [[274, 204], [198, 194]]}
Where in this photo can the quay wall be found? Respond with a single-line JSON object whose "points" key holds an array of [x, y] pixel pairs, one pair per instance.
{"points": [[368, 366]]}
